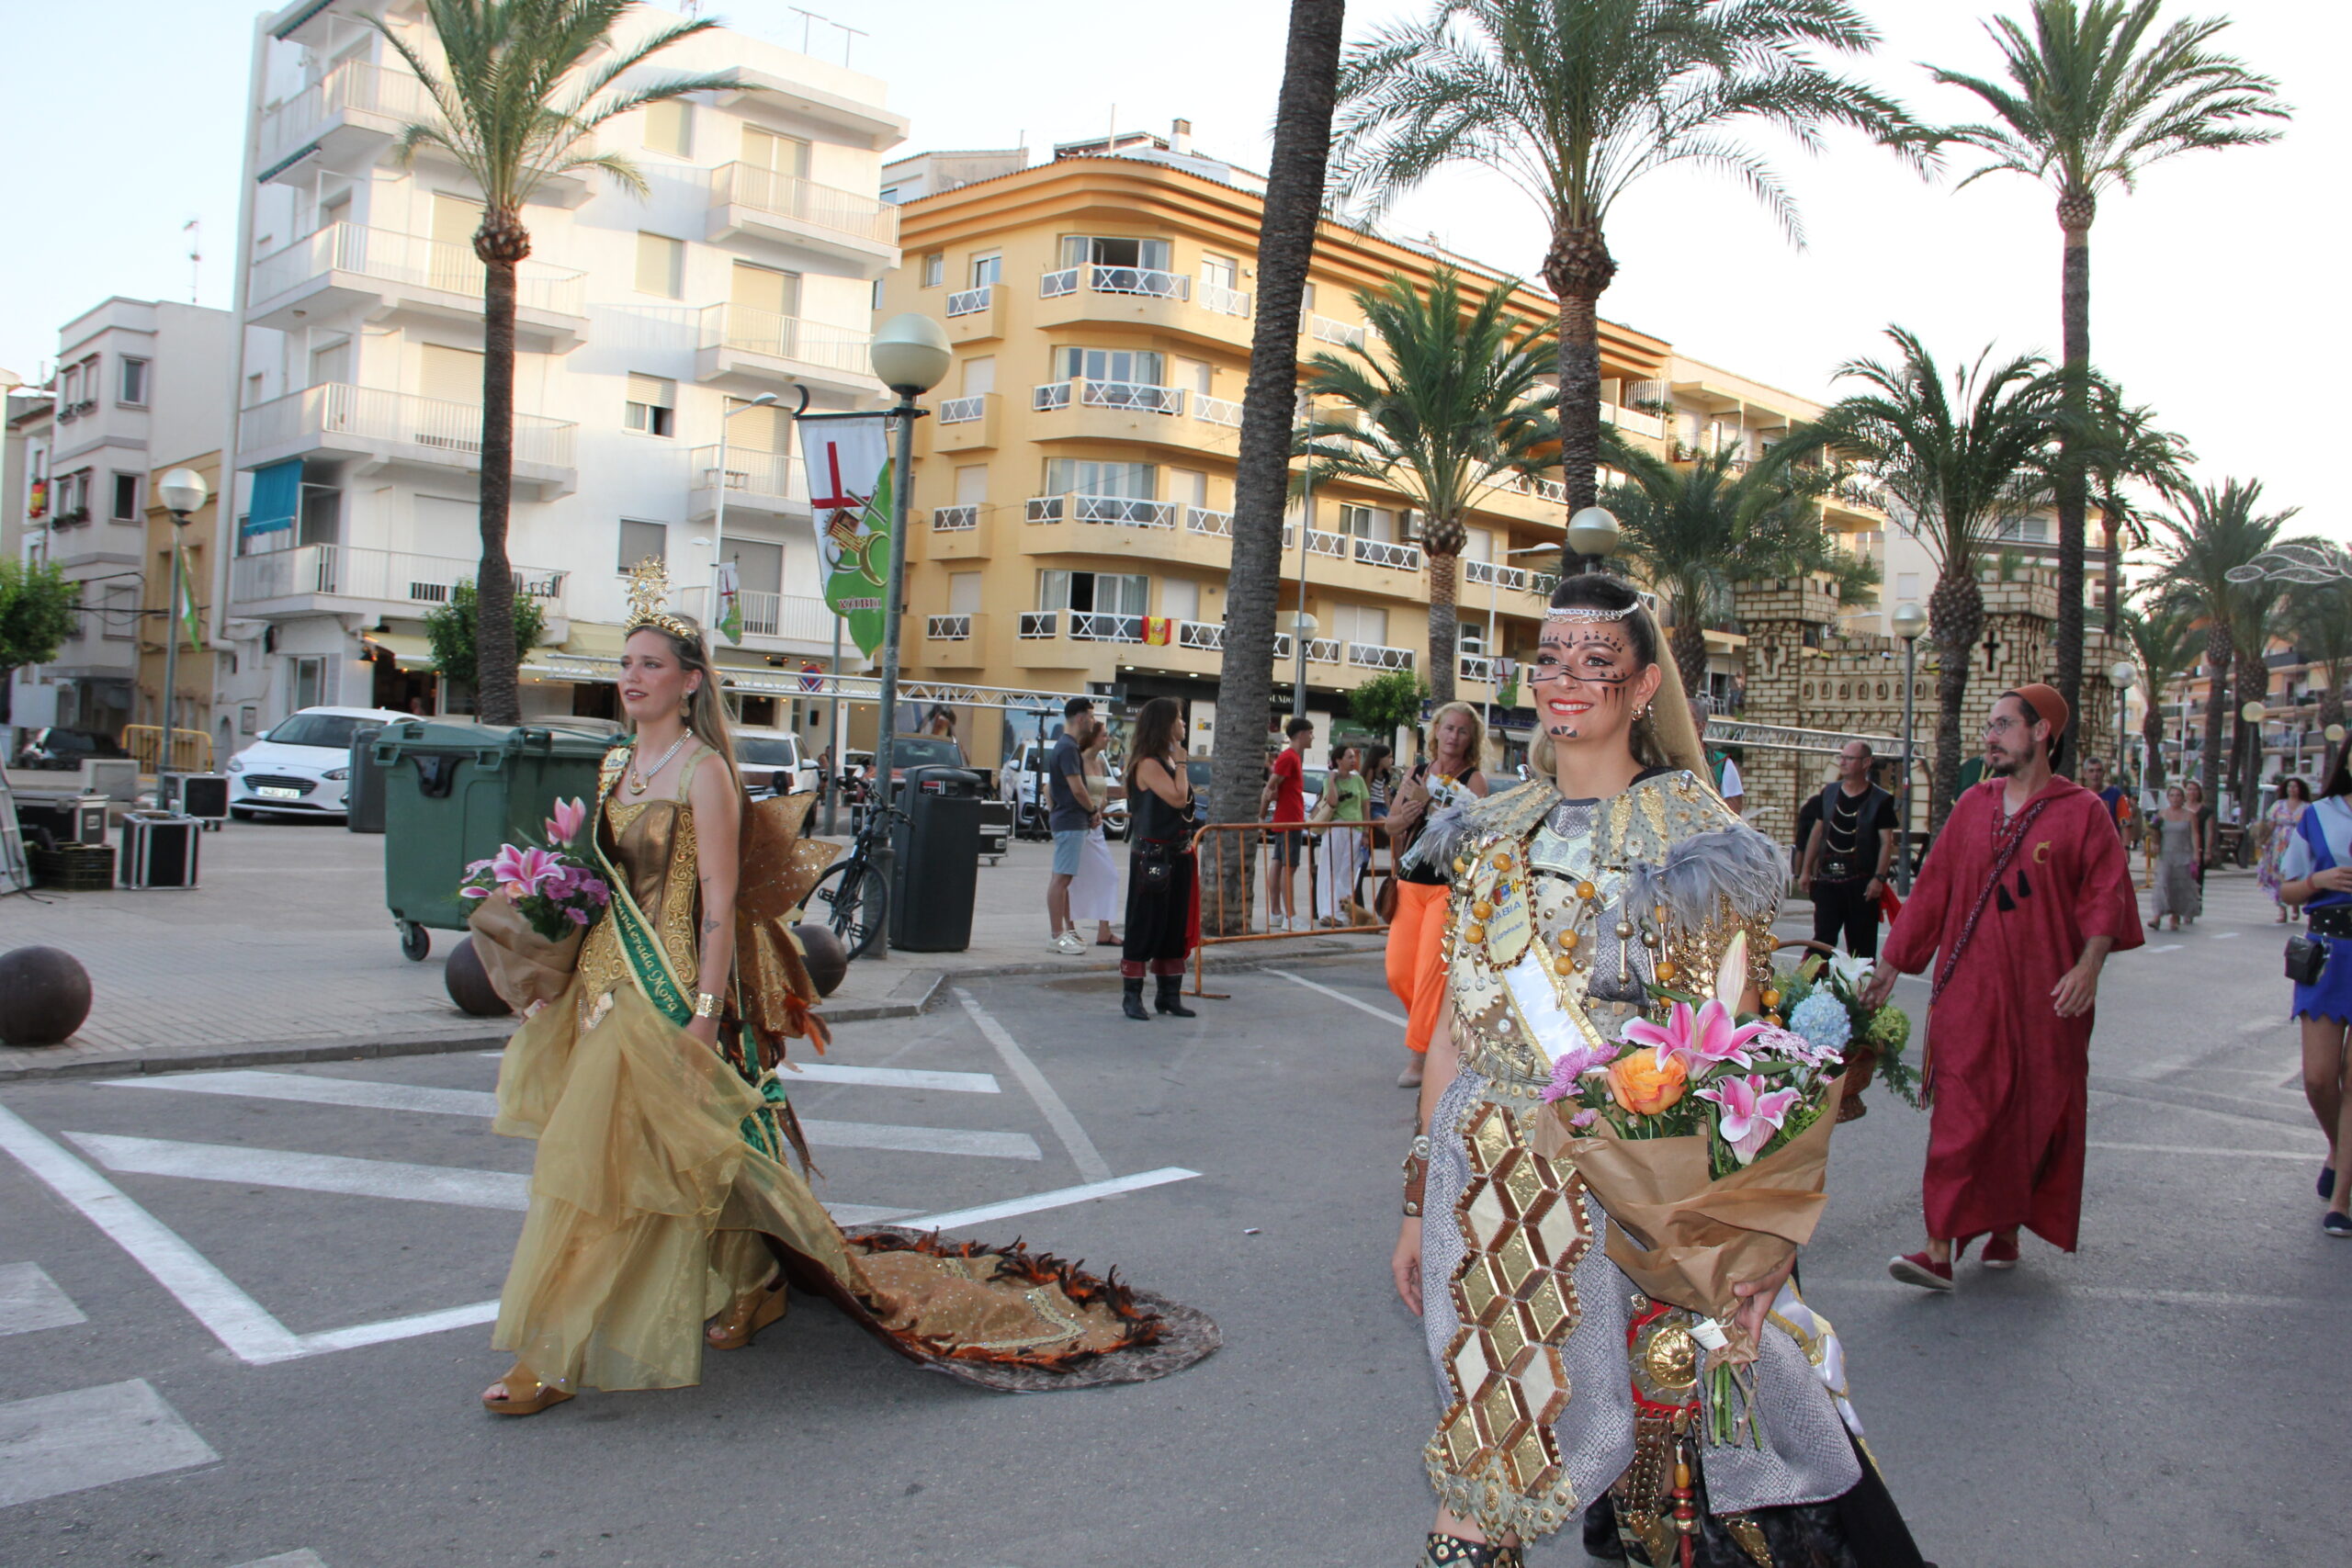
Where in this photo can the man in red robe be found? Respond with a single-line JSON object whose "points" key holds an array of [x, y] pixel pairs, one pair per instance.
{"points": [[2027, 892]]}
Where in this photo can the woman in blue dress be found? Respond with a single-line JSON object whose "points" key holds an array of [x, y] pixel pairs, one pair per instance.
{"points": [[2316, 872]]}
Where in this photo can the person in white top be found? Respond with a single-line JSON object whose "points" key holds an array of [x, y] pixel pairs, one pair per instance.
{"points": [[1726, 772]]}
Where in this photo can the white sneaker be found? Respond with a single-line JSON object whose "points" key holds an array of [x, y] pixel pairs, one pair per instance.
{"points": [[1069, 945]]}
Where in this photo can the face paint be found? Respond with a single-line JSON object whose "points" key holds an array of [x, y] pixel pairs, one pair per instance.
{"points": [[1583, 671]]}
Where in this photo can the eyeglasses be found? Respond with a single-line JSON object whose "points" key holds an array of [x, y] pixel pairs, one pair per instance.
{"points": [[2002, 726]]}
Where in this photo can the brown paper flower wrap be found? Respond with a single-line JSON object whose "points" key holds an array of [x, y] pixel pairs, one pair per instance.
{"points": [[523, 966]]}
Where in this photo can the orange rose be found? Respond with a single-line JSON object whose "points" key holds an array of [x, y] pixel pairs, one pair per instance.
{"points": [[1645, 1085]]}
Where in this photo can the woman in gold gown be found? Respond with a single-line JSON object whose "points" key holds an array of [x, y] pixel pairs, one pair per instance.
{"points": [[662, 1199]]}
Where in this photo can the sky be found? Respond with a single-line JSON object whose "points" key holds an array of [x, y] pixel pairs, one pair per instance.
{"points": [[2216, 286]]}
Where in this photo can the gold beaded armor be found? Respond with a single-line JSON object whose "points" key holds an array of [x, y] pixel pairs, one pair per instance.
{"points": [[1557, 925]]}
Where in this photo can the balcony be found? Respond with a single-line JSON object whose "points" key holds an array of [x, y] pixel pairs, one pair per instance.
{"points": [[1394, 557], [1103, 511], [767, 484], [349, 119], [966, 424], [795, 622], [374, 582], [375, 428], [954, 519], [1481, 573], [1145, 297], [747, 348], [383, 274], [1083, 410], [1474, 667], [975, 315], [1340, 335], [764, 204], [1220, 524], [1374, 656]]}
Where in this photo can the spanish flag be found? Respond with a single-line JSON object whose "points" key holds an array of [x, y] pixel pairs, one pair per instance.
{"points": [[1158, 631]]}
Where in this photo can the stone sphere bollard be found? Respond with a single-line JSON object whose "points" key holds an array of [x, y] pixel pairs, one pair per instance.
{"points": [[469, 986], [827, 959], [44, 996]]}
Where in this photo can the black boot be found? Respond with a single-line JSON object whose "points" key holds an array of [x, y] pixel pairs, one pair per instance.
{"points": [[1131, 1003], [1171, 1000]]}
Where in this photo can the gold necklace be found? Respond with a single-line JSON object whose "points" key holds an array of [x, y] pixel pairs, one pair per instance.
{"points": [[641, 779]]}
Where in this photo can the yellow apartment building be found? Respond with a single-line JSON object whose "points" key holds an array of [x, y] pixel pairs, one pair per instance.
{"points": [[1072, 502]]}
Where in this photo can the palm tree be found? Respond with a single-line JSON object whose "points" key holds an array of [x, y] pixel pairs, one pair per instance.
{"points": [[1574, 101], [1261, 466], [1962, 456], [1695, 529], [2086, 108], [2213, 531], [521, 87], [1454, 400], [2254, 617], [2124, 451], [2165, 642], [2319, 617]]}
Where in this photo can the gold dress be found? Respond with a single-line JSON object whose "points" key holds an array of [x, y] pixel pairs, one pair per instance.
{"points": [[660, 1191]]}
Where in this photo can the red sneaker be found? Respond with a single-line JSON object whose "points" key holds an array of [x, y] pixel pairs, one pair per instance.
{"points": [[2000, 1254], [1918, 1269]]}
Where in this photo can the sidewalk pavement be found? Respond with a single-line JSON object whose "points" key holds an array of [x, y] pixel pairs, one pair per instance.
{"points": [[285, 952]]}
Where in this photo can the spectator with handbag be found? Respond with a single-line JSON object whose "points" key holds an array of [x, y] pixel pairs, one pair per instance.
{"points": [[1160, 862], [2315, 869], [1446, 776]]}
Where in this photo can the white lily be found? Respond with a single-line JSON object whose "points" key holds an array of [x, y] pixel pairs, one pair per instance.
{"points": [[1852, 972], [1731, 975]]}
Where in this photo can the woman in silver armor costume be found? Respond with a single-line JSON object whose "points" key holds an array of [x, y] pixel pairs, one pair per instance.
{"points": [[1563, 1386]]}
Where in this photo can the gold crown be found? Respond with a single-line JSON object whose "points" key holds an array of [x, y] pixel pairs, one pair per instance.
{"points": [[649, 600]]}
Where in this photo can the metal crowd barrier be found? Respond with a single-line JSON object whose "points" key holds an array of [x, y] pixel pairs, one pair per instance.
{"points": [[1214, 843]]}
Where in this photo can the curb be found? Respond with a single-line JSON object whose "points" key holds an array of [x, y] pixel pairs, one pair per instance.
{"points": [[914, 994]]}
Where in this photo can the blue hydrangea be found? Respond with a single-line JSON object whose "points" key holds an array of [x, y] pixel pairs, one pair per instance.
{"points": [[1821, 1019]]}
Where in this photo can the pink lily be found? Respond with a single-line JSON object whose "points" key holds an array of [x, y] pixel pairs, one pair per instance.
{"points": [[521, 874], [1704, 1038], [564, 826], [1751, 1114]]}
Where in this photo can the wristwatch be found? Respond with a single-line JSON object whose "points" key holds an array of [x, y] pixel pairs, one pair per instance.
{"points": [[705, 1004]]}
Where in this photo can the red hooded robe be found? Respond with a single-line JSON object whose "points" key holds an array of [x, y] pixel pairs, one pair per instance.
{"points": [[2010, 1077]]}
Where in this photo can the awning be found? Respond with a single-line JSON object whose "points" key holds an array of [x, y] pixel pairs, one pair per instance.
{"points": [[409, 652], [277, 496], [590, 640]]}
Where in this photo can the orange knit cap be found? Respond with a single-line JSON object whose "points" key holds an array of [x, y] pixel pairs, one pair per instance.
{"points": [[2045, 701]]}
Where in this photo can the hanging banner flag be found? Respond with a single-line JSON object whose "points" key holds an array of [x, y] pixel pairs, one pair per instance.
{"points": [[1158, 631], [849, 489], [730, 602], [184, 597]]}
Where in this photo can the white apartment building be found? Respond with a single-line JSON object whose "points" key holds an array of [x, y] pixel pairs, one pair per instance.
{"points": [[748, 269], [137, 388]]}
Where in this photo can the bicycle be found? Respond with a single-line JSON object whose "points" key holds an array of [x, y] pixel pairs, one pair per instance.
{"points": [[853, 896]]}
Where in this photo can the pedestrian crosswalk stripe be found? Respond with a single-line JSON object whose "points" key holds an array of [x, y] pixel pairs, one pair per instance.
{"points": [[92, 1436], [30, 1300], [889, 1078], [362, 1093], [288, 1560], [920, 1140], [309, 1173], [1060, 1198]]}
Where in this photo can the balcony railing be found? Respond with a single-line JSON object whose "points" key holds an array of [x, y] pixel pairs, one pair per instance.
{"points": [[1103, 626], [1481, 571], [1141, 395], [1216, 410], [1037, 624], [1539, 489], [954, 519], [1110, 510], [800, 617], [1323, 329], [747, 472], [1321, 544], [963, 411], [1373, 655], [395, 576], [1323, 650], [754, 331], [789, 196], [1397, 558], [1474, 667], [1103, 279], [1225, 301], [948, 628], [1201, 520], [1208, 637], [393, 257], [357, 85], [970, 302], [428, 424]]}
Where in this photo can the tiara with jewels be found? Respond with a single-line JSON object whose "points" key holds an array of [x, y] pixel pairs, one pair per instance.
{"points": [[1591, 612], [648, 602]]}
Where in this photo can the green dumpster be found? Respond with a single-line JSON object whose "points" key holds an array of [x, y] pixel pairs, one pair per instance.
{"points": [[453, 793]]}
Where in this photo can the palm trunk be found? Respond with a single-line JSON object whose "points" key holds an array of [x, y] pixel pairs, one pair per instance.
{"points": [[2330, 701], [1956, 611], [1262, 470], [2253, 686], [2151, 736], [2216, 685], [497, 699], [1446, 628], [2114, 575], [1688, 642], [1577, 270], [2075, 216]]}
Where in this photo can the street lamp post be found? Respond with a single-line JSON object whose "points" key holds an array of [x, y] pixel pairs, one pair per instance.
{"points": [[183, 493], [911, 355], [1910, 622], [2123, 674]]}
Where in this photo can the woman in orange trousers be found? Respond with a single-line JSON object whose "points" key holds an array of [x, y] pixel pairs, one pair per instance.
{"points": [[1447, 774]]}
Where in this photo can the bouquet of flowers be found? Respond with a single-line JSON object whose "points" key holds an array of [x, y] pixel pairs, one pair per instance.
{"points": [[532, 906], [1706, 1139], [1822, 999]]}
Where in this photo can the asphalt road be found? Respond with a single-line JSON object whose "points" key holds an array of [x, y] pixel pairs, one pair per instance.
{"points": [[242, 1319]]}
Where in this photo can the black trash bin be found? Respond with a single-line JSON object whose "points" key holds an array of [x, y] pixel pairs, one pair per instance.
{"points": [[938, 870], [363, 796]]}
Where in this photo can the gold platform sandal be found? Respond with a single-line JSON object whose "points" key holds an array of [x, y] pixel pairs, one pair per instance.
{"points": [[740, 1322], [539, 1398]]}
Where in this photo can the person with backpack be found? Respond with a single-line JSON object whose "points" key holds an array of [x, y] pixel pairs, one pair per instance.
{"points": [[1849, 853]]}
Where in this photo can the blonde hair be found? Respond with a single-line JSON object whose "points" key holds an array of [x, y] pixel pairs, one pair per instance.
{"points": [[1475, 756], [706, 709]]}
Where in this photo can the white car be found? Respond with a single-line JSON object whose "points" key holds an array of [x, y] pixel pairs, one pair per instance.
{"points": [[303, 766], [773, 762]]}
